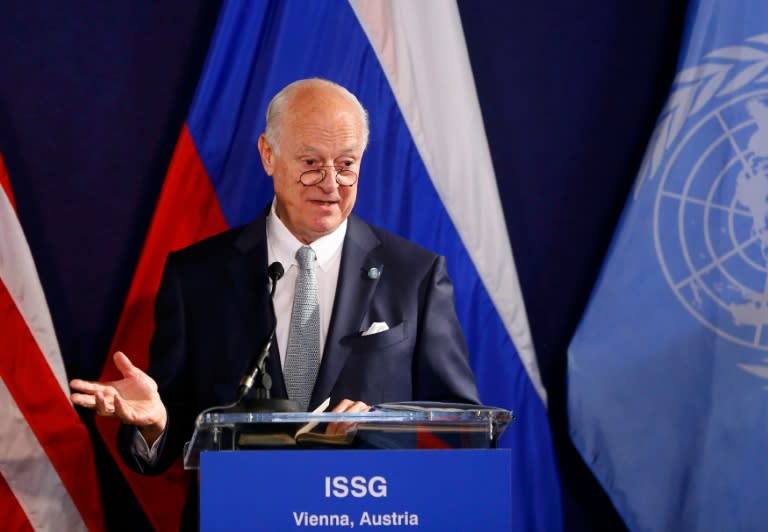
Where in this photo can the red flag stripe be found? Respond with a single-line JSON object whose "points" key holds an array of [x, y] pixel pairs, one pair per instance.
{"points": [[187, 211], [427, 440], [14, 517]]}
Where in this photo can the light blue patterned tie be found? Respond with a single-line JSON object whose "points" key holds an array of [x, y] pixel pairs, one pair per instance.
{"points": [[302, 358]]}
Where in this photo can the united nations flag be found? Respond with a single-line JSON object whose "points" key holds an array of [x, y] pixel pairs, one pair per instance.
{"points": [[668, 370]]}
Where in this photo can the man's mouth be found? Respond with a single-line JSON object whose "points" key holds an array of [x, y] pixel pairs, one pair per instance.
{"points": [[324, 202]]}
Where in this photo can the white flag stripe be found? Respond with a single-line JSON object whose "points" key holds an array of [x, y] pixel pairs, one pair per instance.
{"points": [[433, 83], [30, 474], [18, 273]]}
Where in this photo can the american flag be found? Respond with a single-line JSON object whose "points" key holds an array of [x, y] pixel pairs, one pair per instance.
{"points": [[47, 471]]}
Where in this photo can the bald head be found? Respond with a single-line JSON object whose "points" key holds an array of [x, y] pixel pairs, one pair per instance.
{"points": [[304, 93]]}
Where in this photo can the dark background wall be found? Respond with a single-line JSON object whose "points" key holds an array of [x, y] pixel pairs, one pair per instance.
{"points": [[93, 94]]}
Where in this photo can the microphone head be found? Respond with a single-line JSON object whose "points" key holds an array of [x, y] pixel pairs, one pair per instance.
{"points": [[275, 271]]}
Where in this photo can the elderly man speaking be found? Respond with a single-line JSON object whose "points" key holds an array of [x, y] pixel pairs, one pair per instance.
{"points": [[362, 316]]}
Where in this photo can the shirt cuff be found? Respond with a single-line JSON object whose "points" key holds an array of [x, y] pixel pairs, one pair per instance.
{"points": [[142, 448]]}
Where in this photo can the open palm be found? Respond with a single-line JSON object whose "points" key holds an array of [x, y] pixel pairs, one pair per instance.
{"points": [[133, 399]]}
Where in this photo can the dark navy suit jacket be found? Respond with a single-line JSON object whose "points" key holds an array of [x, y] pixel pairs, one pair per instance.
{"points": [[212, 314]]}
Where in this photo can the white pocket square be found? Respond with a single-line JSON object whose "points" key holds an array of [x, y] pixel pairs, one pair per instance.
{"points": [[375, 328]]}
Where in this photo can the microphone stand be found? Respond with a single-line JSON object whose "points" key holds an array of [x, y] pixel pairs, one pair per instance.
{"points": [[257, 372]]}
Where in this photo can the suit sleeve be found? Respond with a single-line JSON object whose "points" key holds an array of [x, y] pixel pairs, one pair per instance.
{"points": [[168, 366], [441, 362]]}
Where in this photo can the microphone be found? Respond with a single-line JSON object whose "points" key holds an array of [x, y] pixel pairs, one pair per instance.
{"points": [[257, 366]]}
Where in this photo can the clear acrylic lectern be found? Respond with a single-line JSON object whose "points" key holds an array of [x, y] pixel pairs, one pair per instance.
{"points": [[409, 425]]}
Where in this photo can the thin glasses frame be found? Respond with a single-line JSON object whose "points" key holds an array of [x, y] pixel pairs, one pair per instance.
{"points": [[344, 177]]}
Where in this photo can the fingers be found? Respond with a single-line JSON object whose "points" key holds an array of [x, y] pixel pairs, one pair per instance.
{"points": [[349, 406], [95, 396], [124, 364], [335, 428], [102, 403], [85, 392], [83, 399], [105, 403], [85, 386]]}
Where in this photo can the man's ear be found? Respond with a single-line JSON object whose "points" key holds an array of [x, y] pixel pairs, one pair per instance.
{"points": [[267, 155]]}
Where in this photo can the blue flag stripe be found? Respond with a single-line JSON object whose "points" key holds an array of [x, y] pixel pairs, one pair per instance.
{"points": [[440, 107]]}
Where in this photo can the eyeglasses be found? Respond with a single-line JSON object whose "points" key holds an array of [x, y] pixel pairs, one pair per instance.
{"points": [[344, 177]]}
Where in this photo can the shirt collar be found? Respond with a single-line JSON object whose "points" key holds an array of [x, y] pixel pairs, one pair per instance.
{"points": [[283, 245]]}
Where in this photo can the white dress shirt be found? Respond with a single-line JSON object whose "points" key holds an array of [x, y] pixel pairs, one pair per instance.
{"points": [[282, 247]]}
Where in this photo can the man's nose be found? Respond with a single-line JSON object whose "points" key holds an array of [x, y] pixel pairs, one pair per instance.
{"points": [[329, 184]]}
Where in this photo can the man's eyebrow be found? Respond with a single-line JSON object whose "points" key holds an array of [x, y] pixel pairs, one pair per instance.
{"points": [[309, 150]]}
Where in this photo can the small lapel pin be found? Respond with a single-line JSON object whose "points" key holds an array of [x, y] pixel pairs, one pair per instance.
{"points": [[374, 273]]}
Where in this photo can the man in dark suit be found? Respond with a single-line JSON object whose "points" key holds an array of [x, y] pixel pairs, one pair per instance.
{"points": [[384, 328]]}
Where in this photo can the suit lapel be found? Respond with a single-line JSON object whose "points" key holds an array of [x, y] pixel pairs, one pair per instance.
{"points": [[248, 272], [353, 294]]}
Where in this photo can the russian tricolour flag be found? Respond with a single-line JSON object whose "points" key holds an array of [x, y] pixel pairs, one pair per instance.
{"points": [[426, 175]]}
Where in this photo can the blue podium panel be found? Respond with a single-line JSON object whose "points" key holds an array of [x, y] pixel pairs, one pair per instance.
{"points": [[429, 490]]}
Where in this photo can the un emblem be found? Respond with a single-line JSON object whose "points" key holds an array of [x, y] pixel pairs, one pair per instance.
{"points": [[710, 157]]}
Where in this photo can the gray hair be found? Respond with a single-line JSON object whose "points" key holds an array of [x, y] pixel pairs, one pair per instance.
{"points": [[281, 100]]}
